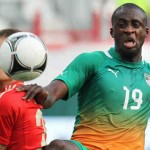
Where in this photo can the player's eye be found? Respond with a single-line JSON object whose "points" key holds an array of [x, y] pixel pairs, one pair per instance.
{"points": [[121, 25], [136, 24]]}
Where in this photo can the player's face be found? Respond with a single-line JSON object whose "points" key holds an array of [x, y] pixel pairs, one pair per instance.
{"points": [[129, 32]]}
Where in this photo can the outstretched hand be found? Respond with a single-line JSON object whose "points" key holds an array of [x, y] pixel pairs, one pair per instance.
{"points": [[33, 91]]}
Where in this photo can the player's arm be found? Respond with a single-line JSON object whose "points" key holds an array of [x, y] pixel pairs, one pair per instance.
{"points": [[46, 96], [3, 147]]}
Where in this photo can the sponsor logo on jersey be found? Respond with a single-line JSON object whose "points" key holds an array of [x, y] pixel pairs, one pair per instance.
{"points": [[147, 78]]}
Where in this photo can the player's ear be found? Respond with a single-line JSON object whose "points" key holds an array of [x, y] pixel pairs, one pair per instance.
{"points": [[147, 32], [111, 32]]}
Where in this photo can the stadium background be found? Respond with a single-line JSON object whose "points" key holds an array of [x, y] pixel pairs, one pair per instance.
{"points": [[68, 27]]}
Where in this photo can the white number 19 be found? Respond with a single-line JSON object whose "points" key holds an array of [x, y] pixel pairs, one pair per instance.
{"points": [[136, 96]]}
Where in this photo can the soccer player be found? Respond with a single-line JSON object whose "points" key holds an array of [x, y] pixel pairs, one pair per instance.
{"points": [[113, 89], [21, 123]]}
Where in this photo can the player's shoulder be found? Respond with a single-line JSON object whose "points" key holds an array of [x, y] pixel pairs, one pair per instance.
{"points": [[10, 97], [90, 56], [93, 54], [146, 64]]}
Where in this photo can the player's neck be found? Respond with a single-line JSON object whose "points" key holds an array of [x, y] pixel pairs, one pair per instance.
{"points": [[4, 83], [5, 80]]}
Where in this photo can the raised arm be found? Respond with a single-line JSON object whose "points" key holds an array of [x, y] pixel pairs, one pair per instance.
{"points": [[46, 96]]}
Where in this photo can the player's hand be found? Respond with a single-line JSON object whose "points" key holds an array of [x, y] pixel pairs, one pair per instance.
{"points": [[33, 91]]}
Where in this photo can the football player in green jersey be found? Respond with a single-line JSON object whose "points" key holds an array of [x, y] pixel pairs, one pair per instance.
{"points": [[113, 89]]}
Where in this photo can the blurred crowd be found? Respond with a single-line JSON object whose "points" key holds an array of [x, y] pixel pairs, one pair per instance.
{"points": [[63, 19]]}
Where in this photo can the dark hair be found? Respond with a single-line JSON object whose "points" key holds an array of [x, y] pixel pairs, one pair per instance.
{"points": [[129, 6], [8, 31]]}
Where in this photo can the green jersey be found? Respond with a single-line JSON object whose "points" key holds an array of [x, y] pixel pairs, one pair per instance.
{"points": [[113, 100]]}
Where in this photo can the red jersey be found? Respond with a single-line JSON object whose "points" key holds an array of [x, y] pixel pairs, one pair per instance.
{"points": [[21, 122]]}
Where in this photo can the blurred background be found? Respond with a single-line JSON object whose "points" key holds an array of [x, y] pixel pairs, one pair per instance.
{"points": [[68, 28]]}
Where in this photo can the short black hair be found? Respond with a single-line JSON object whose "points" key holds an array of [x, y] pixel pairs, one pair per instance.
{"points": [[130, 6], [8, 31]]}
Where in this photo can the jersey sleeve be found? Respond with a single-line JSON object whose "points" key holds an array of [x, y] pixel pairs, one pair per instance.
{"points": [[80, 70], [8, 116]]}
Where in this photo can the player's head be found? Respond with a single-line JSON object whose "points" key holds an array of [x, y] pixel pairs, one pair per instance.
{"points": [[128, 7], [129, 29], [4, 33]]}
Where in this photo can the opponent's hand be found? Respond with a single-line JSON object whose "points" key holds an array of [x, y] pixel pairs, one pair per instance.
{"points": [[34, 91]]}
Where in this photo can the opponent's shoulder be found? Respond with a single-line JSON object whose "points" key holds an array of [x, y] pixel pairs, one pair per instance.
{"points": [[10, 97], [9, 100]]}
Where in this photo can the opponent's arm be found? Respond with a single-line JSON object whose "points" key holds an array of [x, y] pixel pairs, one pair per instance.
{"points": [[46, 96], [3, 147]]}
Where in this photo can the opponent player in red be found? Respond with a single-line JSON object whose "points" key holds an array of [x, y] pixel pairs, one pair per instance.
{"points": [[21, 123]]}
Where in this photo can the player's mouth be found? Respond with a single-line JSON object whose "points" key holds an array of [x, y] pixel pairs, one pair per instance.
{"points": [[130, 44]]}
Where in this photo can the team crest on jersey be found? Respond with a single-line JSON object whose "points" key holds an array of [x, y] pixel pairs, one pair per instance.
{"points": [[147, 78]]}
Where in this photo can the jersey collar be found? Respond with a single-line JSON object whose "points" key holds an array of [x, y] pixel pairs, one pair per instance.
{"points": [[116, 56]]}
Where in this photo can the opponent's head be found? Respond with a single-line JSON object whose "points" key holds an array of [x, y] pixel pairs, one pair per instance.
{"points": [[129, 29], [4, 33]]}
